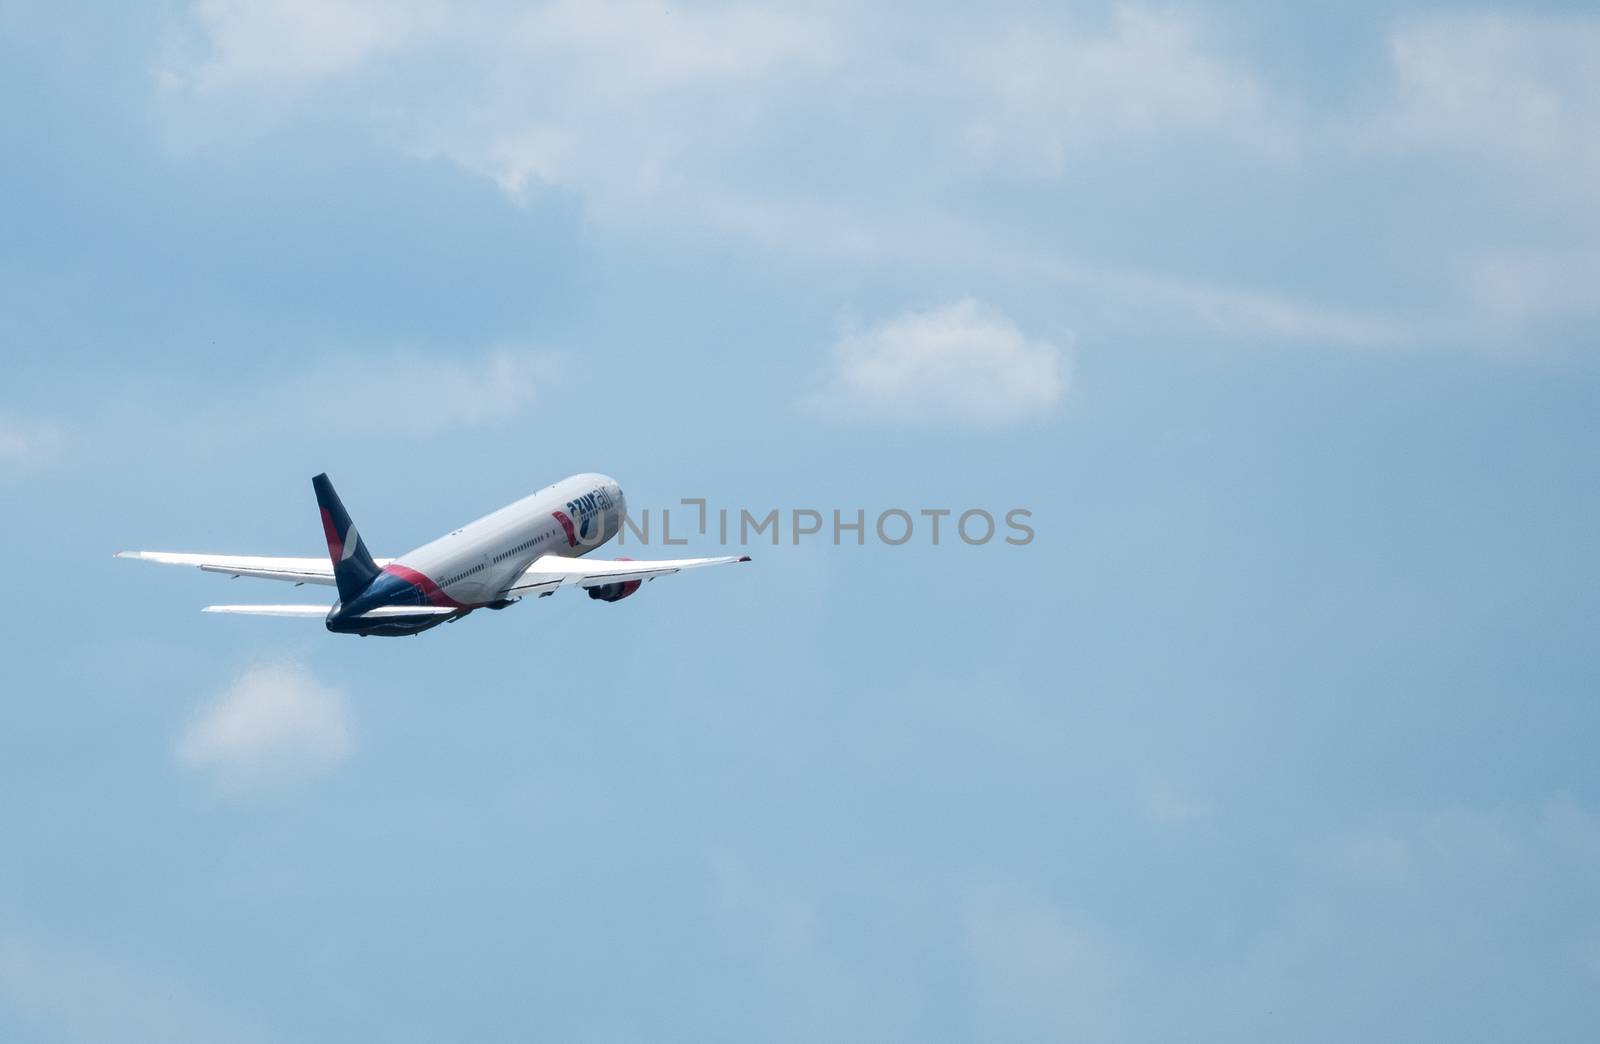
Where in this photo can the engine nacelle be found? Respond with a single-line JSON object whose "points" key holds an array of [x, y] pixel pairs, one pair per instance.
{"points": [[615, 592]]}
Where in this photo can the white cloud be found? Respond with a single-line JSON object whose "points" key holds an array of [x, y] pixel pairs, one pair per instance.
{"points": [[631, 101], [625, 101], [667, 118], [960, 363], [656, 116], [276, 722], [613, 98], [638, 45], [1523, 90], [289, 44], [1043, 87]]}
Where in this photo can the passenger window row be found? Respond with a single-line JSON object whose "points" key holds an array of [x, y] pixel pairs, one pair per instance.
{"points": [[463, 575], [518, 549]]}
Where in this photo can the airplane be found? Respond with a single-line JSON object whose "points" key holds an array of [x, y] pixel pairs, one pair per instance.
{"points": [[533, 546]]}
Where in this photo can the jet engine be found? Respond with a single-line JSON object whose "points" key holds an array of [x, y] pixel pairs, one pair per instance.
{"points": [[615, 592]]}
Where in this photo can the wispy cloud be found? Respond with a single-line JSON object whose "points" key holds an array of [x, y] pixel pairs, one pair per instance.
{"points": [[1167, 806], [1521, 90], [1042, 87], [559, 92], [1488, 904], [437, 392], [662, 119], [275, 723], [1037, 977], [392, 396], [288, 45], [961, 363], [1534, 284], [26, 446], [1379, 907], [621, 100], [651, 113], [614, 98], [403, 393], [67, 994]]}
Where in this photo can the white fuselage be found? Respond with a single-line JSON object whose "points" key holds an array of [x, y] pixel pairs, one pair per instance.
{"points": [[478, 563]]}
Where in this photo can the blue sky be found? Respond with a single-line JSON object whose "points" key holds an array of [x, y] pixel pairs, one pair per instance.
{"points": [[1282, 323]]}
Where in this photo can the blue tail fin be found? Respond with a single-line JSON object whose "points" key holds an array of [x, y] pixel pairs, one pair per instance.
{"points": [[353, 567]]}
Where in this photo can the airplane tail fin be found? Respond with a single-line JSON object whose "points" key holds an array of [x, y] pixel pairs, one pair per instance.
{"points": [[353, 567]]}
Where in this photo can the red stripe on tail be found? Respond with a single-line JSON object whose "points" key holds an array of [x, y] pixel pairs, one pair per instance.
{"points": [[335, 544]]}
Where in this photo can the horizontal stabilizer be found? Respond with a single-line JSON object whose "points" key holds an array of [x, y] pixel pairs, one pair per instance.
{"points": [[385, 612]]}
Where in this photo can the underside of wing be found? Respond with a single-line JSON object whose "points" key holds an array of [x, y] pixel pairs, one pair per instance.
{"points": [[549, 572], [295, 570]]}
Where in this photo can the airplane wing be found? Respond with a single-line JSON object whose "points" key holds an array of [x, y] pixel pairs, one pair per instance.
{"points": [[296, 570], [549, 572]]}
